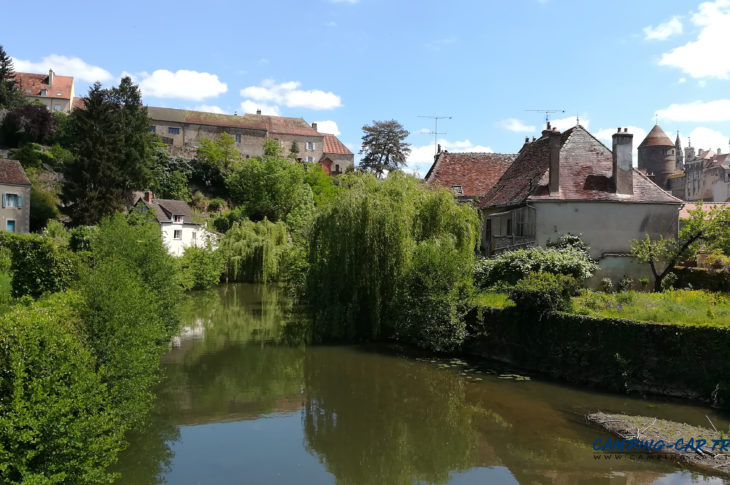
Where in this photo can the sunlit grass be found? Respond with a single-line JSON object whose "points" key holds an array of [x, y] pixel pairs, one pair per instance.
{"points": [[493, 299], [678, 307]]}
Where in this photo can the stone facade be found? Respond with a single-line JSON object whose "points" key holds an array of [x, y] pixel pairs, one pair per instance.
{"points": [[657, 156], [14, 197]]}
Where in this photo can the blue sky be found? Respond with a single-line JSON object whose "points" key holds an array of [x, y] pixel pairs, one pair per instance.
{"points": [[484, 63]]}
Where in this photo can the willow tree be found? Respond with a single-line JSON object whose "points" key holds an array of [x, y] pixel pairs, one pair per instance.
{"points": [[252, 251], [371, 243]]}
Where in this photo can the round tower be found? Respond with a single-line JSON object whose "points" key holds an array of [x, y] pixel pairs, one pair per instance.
{"points": [[657, 156]]}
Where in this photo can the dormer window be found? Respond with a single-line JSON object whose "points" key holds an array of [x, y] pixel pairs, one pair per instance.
{"points": [[177, 219], [43, 92], [457, 189]]}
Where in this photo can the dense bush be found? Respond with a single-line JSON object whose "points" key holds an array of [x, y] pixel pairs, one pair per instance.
{"points": [[200, 268], [511, 266], [542, 293], [56, 422], [253, 251]]}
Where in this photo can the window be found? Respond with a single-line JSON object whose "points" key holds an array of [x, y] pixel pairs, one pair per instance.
{"points": [[153, 129], [309, 146], [12, 201], [173, 131], [177, 234], [178, 219], [509, 227], [57, 108], [457, 189], [10, 226], [43, 92], [337, 167], [310, 159], [238, 138]]}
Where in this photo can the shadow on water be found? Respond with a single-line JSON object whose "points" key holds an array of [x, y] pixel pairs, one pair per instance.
{"points": [[244, 401]]}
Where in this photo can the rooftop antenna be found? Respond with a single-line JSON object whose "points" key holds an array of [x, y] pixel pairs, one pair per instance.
{"points": [[435, 131], [547, 112]]}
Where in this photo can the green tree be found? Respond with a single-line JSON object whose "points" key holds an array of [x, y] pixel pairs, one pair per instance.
{"points": [[384, 147], [215, 159], [43, 200], [28, 123], [709, 229], [171, 176], [10, 95], [113, 149]]}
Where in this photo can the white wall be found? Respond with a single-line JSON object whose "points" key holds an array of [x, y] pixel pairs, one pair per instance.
{"points": [[192, 235]]}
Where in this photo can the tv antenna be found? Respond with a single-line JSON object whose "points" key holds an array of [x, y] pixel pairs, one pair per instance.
{"points": [[547, 112], [435, 131]]}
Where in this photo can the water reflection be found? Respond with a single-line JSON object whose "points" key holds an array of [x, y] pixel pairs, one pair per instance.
{"points": [[244, 401]]}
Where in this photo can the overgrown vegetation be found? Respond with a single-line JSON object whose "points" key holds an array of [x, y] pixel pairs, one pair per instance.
{"points": [[253, 251]]}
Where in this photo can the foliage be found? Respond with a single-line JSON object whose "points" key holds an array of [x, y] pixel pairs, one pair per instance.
{"points": [[668, 281], [30, 123], [200, 268], [171, 176], [80, 238], [625, 283], [383, 147], [114, 151], [606, 285], [215, 159], [272, 149], [38, 265], [224, 221], [361, 253], [541, 293], [56, 425], [56, 234], [710, 229], [492, 299], [253, 251], [10, 94], [511, 266], [43, 200], [676, 307], [216, 205], [569, 240], [31, 155], [323, 187]]}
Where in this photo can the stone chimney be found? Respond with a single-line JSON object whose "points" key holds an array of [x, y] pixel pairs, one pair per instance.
{"points": [[258, 111], [51, 74], [623, 176], [553, 136], [148, 196], [314, 126]]}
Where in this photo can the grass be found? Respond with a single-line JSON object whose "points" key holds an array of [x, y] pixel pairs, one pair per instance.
{"points": [[493, 299], [676, 307]]}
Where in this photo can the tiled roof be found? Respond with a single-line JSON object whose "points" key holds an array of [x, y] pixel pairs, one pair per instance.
{"points": [[32, 84], [706, 207], [11, 172], [284, 126], [203, 118], [333, 145], [656, 137], [476, 173], [164, 209], [78, 103], [586, 167]]}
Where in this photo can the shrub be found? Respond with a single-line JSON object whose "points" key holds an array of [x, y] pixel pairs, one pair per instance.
{"points": [[200, 268], [543, 293], [56, 424], [644, 282], [216, 205], [570, 241], [511, 266], [606, 285], [625, 283], [668, 282]]}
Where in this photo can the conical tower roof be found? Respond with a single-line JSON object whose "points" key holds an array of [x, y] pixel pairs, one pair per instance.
{"points": [[656, 138]]}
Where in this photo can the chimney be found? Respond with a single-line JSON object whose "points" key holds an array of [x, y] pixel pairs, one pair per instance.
{"points": [[148, 196], [554, 140], [258, 111], [623, 176], [438, 149], [50, 77], [314, 126]]}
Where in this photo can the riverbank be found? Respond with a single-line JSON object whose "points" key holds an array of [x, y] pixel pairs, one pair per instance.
{"points": [[618, 355], [708, 449]]}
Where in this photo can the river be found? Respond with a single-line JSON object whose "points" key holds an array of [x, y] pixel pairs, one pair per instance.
{"points": [[244, 402]]}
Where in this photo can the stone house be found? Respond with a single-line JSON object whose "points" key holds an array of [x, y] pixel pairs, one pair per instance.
{"points": [[469, 174], [15, 194], [180, 229], [182, 131], [571, 183], [54, 91]]}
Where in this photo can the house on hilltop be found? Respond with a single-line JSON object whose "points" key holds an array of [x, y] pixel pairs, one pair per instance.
{"points": [[571, 183], [54, 91], [15, 194], [469, 175]]}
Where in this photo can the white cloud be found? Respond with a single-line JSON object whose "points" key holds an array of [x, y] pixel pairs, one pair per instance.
{"points": [[718, 110], [513, 124], [421, 157], [182, 84], [328, 126], [706, 138], [665, 30], [563, 124], [288, 94], [249, 106], [682, 80], [209, 108], [705, 57], [64, 66]]}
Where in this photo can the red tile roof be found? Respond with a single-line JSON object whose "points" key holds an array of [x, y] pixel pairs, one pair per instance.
{"points": [[706, 207], [11, 172], [656, 137], [476, 173], [32, 84], [284, 126], [78, 103], [586, 167], [333, 145]]}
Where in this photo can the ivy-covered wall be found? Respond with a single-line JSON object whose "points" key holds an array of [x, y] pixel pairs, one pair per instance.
{"points": [[617, 355]]}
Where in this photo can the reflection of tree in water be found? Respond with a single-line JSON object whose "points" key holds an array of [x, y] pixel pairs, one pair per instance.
{"points": [[381, 420]]}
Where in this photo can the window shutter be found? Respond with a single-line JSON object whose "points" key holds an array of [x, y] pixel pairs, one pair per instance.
{"points": [[20, 202], [3, 201]]}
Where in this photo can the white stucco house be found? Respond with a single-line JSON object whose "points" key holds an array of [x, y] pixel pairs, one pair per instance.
{"points": [[178, 226], [572, 183]]}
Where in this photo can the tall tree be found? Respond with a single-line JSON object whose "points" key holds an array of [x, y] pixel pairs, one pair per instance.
{"points": [[384, 147], [114, 152], [10, 94]]}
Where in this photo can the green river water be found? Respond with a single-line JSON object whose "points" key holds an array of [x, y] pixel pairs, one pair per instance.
{"points": [[242, 402]]}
